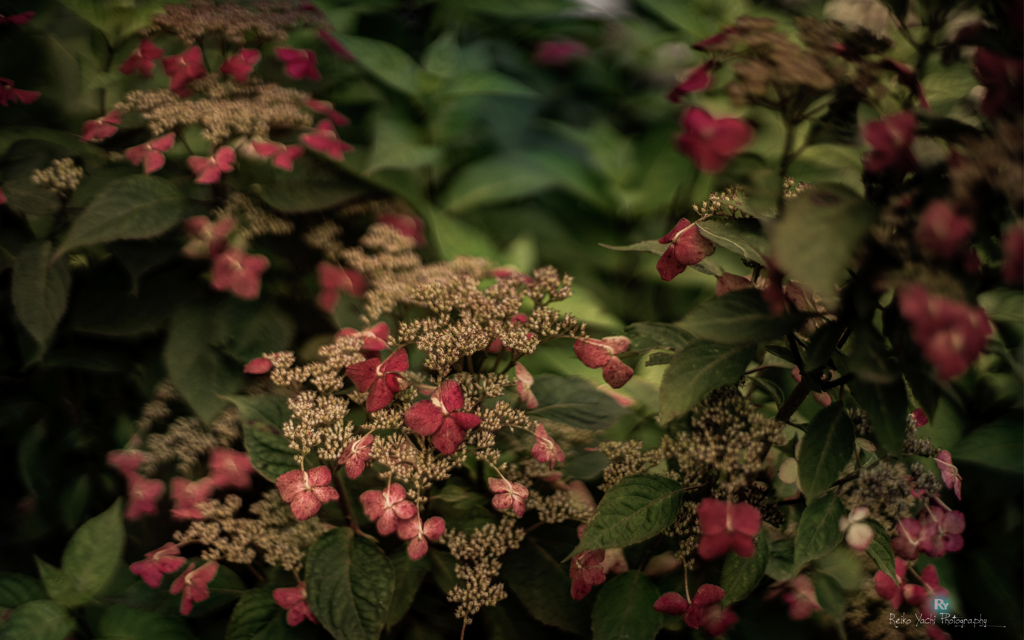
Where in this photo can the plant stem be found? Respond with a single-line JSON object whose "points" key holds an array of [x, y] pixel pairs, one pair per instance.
{"points": [[793, 402]]}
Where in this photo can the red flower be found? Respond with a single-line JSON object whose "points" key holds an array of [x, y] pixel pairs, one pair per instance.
{"points": [[150, 154], [101, 128], [206, 239], [239, 272], [230, 469], [325, 140], [694, 613], [189, 493], [712, 143], [295, 601], [281, 156], [917, 418], [698, 79], [508, 495], [686, 247], [125, 460], [333, 280], [1013, 255], [941, 231], [18, 18], [143, 496], [558, 53], [895, 591], [335, 45], [183, 68], [799, 594], [142, 58], [375, 339], [325, 108], [193, 585], [298, 63], [355, 456], [718, 620], [950, 474], [9, 94], [305, 491], [408, 225], [602, 353], [523, 383], [167, 559], [258, 366], [907, 539], [586, 572], [442, 418], [381, 379], [418, 532], [941, 531], [1003, 79], [208, 170], [890, 139], [241, 64], [546, 449], [727, 526], [387, 508], [930, 578], [950, 334]]}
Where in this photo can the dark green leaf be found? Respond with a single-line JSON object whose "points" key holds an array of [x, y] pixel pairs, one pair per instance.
{"points": [[646, 246], [781, 352], [659, 359], [697, 370], [398, 144], [38, 620], [91, 558], [270, 454], [830, 597], [442, 56], [574, 401], [408, 576], [307, 197], [632, 511], [131, 208], [29, 199], [257, 616], [772, 389], [815, 241], [225, 588], [59, 585], [40, 290], [740, 576], [651, 335], [742, 236], [926, 391], [443, 569], [880, 550], [818, 531], [780, 560], [999, 445], [17, 589], [739, 317], [480, 83], [625, 609], [390, 64], [542, 584], [495, 179], [822, 344], [268, 409], [886, 406], [196, 369], [350, 583], [70, 141], [247, 330], [825, 450], [120, 622]]}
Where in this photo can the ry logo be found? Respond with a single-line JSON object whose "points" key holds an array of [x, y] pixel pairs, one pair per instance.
{"points": [[941, 604]]}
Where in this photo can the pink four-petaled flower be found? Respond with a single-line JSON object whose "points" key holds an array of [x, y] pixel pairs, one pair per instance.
{"points": [[890, 139], [142, 59], [603, 354], [508, 495], [727, 526], [151, 154], [693, 611], [586, 571], [941, 231], [334, 280], [381, 379], [387, 508], [101, 128], [281, 156], [208, 169], [524, 382], [240, 65], [186, 494], [324, 138], [417, 532], [239, 272], [125, 460], [207, 238], [355, 456], [685, 247], [406, 224], [858, 532], [9, 94], [143, 496], [325, 108], [306, 491], [950, 474], [546, 449], [183, 68], [941, 531], [949, 333], [442, 417], [711, 143], [295, 601], [230, 469], [193, 585], [158, 563], [799, 594], [896, 591], [299, 63], [375, 339]]}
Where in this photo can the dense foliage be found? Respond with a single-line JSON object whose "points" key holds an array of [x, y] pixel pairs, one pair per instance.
{"points": [[511, 319]]}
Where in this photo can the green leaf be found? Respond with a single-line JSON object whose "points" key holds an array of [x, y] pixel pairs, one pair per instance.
{"points": [[739, 317], [91, 558], [880, 550], [38, 620], [825, 450], [818, 531], [651, 335], [780, 560], [999, 445], [495, 179], [815, 240], [16, 589], [350, 583], [740, 576], [574, 401], [397, 144], [40, 290], [195, 368], [247, 330], [73, 143], [482, 83], [59, 586], [257, 616], [831, 598], [886, 406], [307, 197], [270, 453], [29, 199], [632, 511], [120, 622], [442, 57], [542, 584], [822, 344], [742, 236], [625, 609], [391, 65], [409, 574], [267, 409], [647, 246], [697, 370], [131, 208]]}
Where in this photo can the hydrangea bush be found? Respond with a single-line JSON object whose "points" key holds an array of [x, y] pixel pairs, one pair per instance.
{"points": [[267, 319]]}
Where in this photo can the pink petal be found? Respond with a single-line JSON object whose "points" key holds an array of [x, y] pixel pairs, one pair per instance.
{"points": [[373, 504], [396, 362], [290, 484], [591, 352], [363, 374], [305, 505], [616, 373], [671, 603], [433, 528], [450, 395], [424, 418], [319, 476], [380, 397]]}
